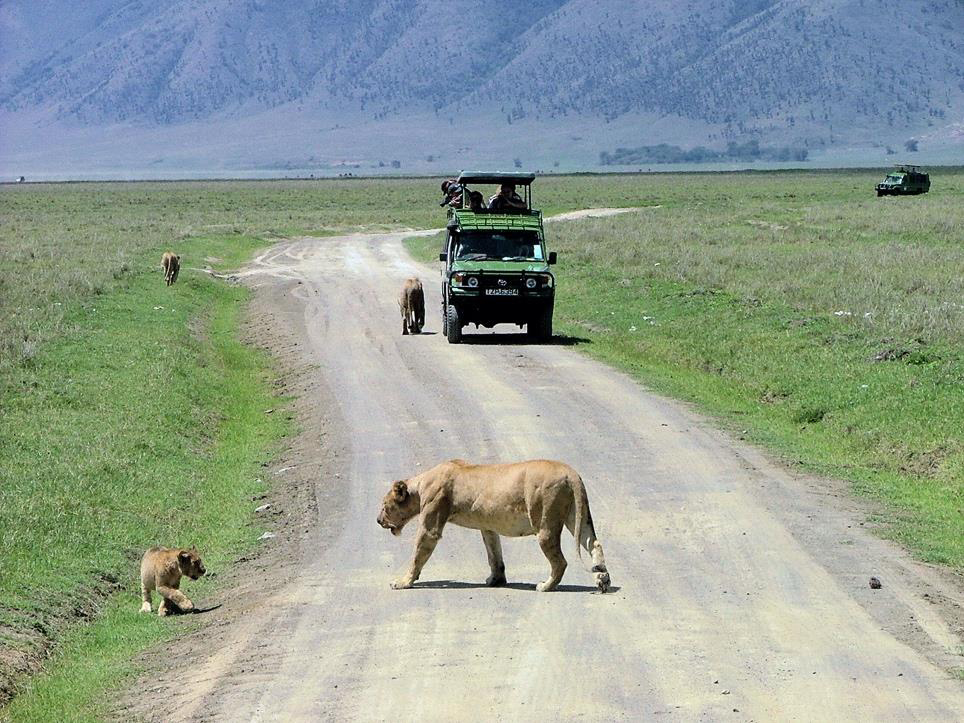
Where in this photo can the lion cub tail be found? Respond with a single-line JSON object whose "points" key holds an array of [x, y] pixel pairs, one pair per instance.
{"points": [[585, 534]]}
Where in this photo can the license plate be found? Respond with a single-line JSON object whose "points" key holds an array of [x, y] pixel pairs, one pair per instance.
{"points": [[501, 292]]}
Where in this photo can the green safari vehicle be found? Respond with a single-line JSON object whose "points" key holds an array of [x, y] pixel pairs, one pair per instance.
{"points": [[904, 181], [495, 267]]}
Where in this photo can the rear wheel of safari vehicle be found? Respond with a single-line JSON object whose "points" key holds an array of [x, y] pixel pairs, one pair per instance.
{"points": [[453, 325], [540, 325]]}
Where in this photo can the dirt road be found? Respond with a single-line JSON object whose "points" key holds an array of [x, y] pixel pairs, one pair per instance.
{"points": [[742, 591]]}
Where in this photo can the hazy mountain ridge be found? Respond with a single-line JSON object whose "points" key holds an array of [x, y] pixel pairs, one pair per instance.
{"points": [[807, 73]]}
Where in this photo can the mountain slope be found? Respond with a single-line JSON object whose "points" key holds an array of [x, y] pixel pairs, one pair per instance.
{"points": [[814, 73]]}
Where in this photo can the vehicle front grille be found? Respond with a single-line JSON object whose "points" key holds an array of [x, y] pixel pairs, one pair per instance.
{"points": [[500, 281]]}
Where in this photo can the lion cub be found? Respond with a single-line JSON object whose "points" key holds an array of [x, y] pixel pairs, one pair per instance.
{"points": [[171, 263], [411, 302], [161, 570]]}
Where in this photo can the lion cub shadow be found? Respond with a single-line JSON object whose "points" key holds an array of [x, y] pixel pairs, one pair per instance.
{"points": [[173, 609], [527, 586]]}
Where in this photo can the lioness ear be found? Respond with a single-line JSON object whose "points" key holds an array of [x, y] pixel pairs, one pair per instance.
{"points": [[400, 489]]}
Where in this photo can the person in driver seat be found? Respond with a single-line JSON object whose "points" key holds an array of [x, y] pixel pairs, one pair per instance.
{"points": [[507, 199], [467, 247]]}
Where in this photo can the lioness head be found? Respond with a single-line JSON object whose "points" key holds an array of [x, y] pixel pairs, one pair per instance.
{"points": [[398, 507], [189, 562]]}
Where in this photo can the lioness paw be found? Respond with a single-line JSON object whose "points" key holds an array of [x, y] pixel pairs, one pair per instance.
{"points": [[401, 584], [602, 581], [495, 580], [146, 607], [546, 586]]}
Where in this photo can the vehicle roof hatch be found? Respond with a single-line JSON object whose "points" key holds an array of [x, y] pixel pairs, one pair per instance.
{"points": [[518, 179]]}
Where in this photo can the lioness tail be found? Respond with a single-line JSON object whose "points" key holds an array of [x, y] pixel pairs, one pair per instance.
{"points": [[585, 534]]}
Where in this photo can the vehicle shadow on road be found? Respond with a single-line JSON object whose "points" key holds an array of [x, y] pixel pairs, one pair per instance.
{"points": [[528, 587], [522, 340]]}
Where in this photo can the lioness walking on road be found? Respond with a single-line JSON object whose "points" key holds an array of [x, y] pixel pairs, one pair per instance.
{"points": [[538, 497], [411, 302], [171, 263]]}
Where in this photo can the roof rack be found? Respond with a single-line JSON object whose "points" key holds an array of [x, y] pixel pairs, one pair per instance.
{"points": [[471, 221], [518, 179]]}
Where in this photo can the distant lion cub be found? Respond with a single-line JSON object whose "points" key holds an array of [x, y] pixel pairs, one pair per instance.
{"points": [[171, 264], [161, 570]]}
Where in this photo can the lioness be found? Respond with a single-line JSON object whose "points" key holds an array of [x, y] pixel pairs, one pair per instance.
{"points": [[536, 498], [161, 570], [171, 263], [411, 302]]}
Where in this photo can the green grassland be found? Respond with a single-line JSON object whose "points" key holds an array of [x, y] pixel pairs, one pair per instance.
{"points": [[71, 241], [131, 415], [142, 424], [815, 319]]}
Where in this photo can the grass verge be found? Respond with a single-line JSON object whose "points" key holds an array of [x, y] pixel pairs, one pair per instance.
{"points": [[816, 320], [142, 423]]}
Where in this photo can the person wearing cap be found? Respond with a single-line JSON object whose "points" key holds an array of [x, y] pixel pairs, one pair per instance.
{"points": [[453, 193]]}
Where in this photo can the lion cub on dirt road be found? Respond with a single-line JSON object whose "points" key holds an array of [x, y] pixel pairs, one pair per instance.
{"points": [[538, 497], [171, 263], [161, 570], [411, 302]]}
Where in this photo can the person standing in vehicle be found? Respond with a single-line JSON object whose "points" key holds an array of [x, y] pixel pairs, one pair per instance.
{"points": [[506, 199], [453, 191]]}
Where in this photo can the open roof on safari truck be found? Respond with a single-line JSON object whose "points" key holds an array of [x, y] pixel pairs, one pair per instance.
{"points": [[518, 179], [471, 178]]}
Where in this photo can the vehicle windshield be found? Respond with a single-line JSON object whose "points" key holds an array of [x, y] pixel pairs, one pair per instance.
{"points": [[502, 245], [894, 178]]}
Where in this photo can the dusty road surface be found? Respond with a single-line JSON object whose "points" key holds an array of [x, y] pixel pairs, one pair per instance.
{"points": [[741, 590]]}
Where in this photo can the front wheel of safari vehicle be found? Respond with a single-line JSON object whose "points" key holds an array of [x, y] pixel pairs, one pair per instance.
{"points": [[453, 326], [540, 326]]}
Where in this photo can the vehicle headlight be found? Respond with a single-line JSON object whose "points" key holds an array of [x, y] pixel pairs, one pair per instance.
{"points": [[473, 281], [531, 282]]}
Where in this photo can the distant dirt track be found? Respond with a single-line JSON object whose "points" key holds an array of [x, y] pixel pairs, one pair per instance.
{"points": [[742, 590]]}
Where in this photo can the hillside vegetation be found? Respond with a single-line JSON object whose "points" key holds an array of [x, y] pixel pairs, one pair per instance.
{"points": [[814, 72]]}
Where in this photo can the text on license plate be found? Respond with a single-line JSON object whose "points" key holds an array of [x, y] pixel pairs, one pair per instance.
{"points": [[501, 292]]}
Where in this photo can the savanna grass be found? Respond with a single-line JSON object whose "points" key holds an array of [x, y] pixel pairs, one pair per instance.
{"points": [[141, 423], [62, 242], [741, 277], [817, 319]]}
